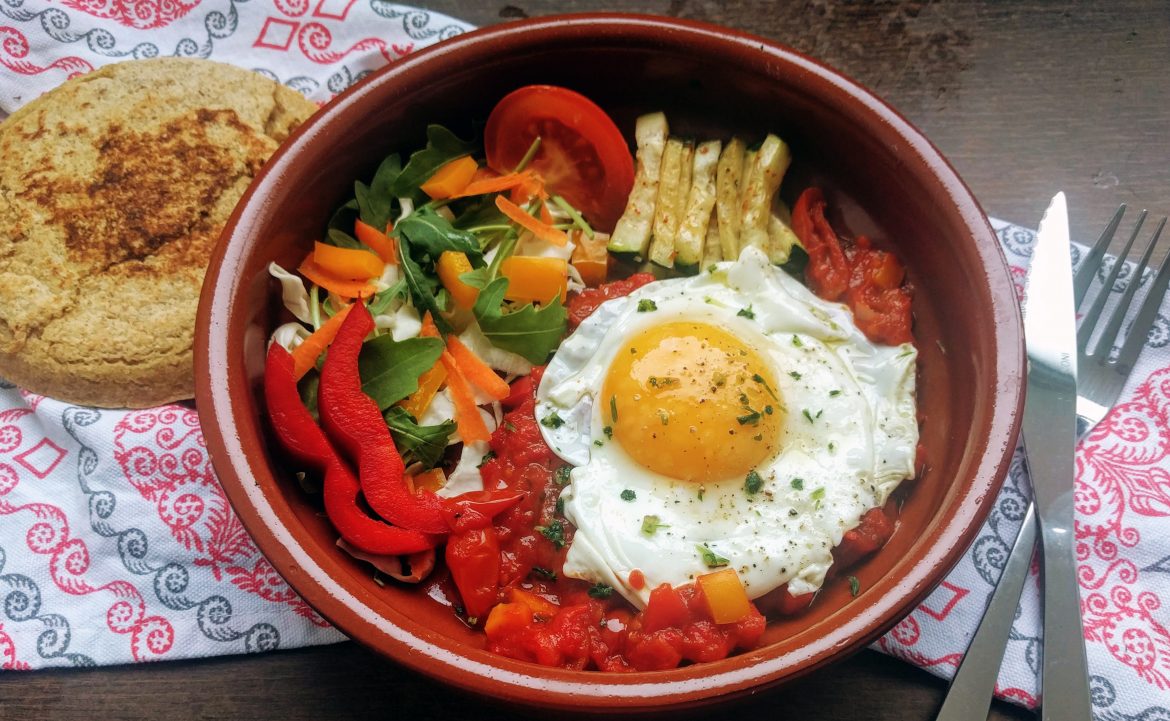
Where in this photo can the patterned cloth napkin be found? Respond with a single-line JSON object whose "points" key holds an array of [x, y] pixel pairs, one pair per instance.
{"points": [[117, 544]]}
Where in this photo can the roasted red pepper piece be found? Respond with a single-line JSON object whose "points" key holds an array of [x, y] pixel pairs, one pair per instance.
{"points": [[474, 560], [352, 419], [827, 272], [476, 509], [307, 443]]}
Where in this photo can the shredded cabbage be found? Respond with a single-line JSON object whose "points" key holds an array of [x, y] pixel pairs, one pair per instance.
{"points": [[466, 476], [292, 292]]}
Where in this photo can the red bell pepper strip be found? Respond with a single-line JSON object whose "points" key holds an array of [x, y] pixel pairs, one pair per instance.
{"points": [[352, 420], [827, 272], [305, 441], [476, 509], [473, 558]]}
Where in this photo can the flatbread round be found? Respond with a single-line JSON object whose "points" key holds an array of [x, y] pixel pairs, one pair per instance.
{"points": [[113, 191]]}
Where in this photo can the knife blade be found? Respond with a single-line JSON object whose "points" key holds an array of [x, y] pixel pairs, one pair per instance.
{"points": [[1049, 427]]}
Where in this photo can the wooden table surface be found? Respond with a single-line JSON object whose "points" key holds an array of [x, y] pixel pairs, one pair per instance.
{"points": [[1024, 98]]}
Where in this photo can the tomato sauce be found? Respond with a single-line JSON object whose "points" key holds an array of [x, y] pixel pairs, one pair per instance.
{"points": [[543, 617]]}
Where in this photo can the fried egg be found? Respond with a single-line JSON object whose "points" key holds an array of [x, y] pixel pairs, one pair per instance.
{"points": [[729, 419]]}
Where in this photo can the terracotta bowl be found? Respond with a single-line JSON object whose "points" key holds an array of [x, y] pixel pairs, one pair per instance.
{"points": [[883, 178]]}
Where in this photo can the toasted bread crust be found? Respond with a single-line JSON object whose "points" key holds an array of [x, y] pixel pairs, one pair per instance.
{"points": [[113, 192]]}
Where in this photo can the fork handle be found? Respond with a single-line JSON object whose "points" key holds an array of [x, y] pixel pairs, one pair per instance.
{"points": [[969, 696]]}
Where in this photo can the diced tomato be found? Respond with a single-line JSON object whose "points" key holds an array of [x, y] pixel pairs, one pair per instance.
{"points": [[582, 305], [474, 560], [870, 534]]}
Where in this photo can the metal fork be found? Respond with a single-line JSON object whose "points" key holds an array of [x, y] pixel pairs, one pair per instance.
{"points": [[1101, 376]]}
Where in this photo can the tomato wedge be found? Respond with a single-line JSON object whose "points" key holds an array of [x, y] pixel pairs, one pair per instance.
{"points": [[582, 157]]}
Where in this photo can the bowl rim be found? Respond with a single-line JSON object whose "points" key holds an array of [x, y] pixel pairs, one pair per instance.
{"points": [[221, 381]]}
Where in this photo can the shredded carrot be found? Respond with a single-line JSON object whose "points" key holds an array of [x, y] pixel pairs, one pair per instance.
{"points": [[497, 184], [541, 230], [475, 370], [341, 286], [429, 329], [467, 419], [305, 355], [545, 214], [379, 242]]}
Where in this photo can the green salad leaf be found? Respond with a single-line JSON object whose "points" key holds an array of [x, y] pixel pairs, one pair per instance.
{"points": [[530, 332], [390, 368], [443, 146], [431, 233], [796, 263], [342, 239], [421, 285], [424, 444], [375, 202]]}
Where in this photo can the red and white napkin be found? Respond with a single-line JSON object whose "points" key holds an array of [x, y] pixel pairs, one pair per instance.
{"points": [[117, 544]]}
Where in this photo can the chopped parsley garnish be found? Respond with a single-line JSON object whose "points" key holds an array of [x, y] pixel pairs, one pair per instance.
{"points": [[834, 393], [807, 416], [651, 524], [561, 475], [646, 305], [832, 446], [710, 558], [628, 495], [798, 484], [608, 431], [760, 379], [711, 268], [753, 483], [702, 490], [554, 532], [768, 410], [793, 512], [599, 443], [545, 573], [752, 418], [747, 313], [600, 591], [560, 505], [552, 420], [818, 494], [795, 375], [508, 426], [854, 586], [720, 379], [662, 382], [613, 408], [797, 342], [486, 457]]}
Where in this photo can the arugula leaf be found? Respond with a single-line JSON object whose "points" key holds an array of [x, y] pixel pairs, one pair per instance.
{"points": [[382, 301], [424, 444], [422, 287], [796, 263], [481, 213], [307, 387], [390, 368], [528, 332], [443, 146], [344, 216], [430, 232], [342, 239], [375, 202], [478, 278]]}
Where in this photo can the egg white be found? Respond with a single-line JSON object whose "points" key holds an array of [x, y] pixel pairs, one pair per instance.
{"points": [[848, 438]]}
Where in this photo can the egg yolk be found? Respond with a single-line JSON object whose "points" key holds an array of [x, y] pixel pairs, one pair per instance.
{"points": [[692, 402]]}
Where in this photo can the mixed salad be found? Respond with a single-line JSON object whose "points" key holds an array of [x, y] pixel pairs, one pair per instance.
{"points": [[404, 383]]}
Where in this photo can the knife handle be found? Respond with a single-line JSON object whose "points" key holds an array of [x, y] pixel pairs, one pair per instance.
{"points": [[969, 697], [1065, 685]]}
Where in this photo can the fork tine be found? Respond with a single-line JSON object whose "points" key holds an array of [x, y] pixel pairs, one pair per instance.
{"points": [[1144, 320], [1084, 274], [1089, 322], [1109, 335]]}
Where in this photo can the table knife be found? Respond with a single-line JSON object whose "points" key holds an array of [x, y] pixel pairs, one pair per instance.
{"points": [[1050, 438]]}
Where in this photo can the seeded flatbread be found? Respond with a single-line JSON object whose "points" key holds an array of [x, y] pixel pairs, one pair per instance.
{"points": [[114, 188]]}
